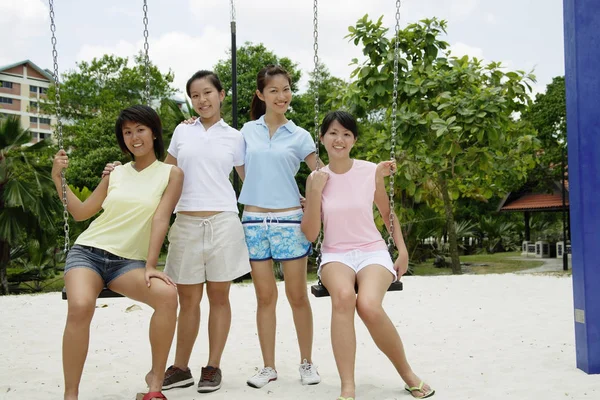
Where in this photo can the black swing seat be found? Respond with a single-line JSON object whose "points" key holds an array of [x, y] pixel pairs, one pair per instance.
{"points": [[105, 293], [318, 290]]}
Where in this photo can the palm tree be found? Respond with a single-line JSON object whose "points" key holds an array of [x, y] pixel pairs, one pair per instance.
{"points": [[27, 199]]}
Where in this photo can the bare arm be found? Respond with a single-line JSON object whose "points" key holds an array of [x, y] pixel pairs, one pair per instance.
{"points": [[382, 202], [78, 209], [162, 215], [169, 159], [311, 221], [241, 171], [311, 161]]}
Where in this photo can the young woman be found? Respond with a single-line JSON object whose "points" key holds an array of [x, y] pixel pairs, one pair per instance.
{"points": [[275, 147], [354, 253], [206, 241], [120, 248]]}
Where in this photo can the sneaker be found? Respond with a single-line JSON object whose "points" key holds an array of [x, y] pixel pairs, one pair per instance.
{"points": [[177, 378], [264, 376], [210, 380], [308, 373]]}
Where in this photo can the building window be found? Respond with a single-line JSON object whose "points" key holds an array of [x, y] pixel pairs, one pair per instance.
{"points": [[43, 90], [33, 120], [45, 136], [6, 100], [34, 135], [45, 121], [6, 84], [33, 89], [33, 104]]}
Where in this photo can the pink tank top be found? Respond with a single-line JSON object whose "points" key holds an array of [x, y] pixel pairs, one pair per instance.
{"points": [[347, 210]]}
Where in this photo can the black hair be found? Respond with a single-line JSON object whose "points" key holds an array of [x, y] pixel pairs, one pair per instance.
{"points": [[345, 119], [211, 76], [258, 107], [142, 115]]}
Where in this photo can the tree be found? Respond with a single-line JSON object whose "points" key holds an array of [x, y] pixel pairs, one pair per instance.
{"points": [[28, 201], [91, 98], [454, 115], [251, 58]]}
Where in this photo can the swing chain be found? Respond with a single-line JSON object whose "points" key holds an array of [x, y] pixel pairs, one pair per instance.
{"points": [[59, 132], [146, 57], [316, 76], [233, 16], [393, 127]]}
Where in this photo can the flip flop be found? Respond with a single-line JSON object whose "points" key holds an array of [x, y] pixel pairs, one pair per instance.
{"points": [[419, 388], [150, 395]]}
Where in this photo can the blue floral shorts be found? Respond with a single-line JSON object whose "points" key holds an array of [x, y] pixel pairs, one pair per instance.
{"points": [[275, 236]]}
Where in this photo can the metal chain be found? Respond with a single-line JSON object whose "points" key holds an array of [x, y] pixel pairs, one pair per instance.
{"points": [[58, 131], [393, 127], [146, 57], [233, 16], [316, 75]]}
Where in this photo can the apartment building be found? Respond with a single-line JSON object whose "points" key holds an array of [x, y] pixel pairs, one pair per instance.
{"points": [[23, 88]]}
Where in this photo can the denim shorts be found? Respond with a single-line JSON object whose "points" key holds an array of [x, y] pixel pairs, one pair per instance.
{"points": [[275, 236], [105, 264]]}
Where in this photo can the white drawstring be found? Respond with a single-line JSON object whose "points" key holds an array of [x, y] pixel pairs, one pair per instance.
{"points": [[269, 217], [207, 222]]}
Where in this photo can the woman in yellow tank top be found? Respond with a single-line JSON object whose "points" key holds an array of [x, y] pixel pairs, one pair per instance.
{"points": [[120, 248]]}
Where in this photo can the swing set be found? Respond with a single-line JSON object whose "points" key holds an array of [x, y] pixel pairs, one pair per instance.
{"points": [[318, 290]]}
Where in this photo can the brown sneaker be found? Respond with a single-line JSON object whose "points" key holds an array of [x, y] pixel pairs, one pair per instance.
{"points": [[177, 378], [210, 380]]}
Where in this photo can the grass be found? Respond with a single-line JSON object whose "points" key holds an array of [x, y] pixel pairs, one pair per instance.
{"points": [[499, 263]]}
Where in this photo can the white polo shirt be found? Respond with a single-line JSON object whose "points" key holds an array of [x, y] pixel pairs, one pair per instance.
{"points": [[207, 158]]}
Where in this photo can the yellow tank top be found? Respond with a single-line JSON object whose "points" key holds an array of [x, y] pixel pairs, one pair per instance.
{"points": [[124, 226]]}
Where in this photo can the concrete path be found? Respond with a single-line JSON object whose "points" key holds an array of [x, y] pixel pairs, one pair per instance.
{"points": [[550, 265]]}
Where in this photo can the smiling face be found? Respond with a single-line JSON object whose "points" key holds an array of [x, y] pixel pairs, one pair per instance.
{"points": [[138, 138], [338, 141], [206, 99], [277, 94]]}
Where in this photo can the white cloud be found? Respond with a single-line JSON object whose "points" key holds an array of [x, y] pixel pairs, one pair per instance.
{"points": [[177, 51], [22, 21], [490, 18]]}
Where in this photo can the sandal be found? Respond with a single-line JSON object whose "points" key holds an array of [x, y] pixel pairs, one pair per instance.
{"points": [[150, 395], [419, 388]]}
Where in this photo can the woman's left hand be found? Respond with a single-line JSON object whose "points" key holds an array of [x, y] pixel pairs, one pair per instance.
{"points": [[152, 272], [386, 168], [400, 266]]}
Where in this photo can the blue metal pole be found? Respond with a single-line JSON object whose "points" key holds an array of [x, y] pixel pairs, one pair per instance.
{"points": [[582, 77]]}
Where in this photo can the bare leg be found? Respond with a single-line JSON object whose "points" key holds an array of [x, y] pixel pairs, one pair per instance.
{"points": [[266, 299], [339, 280], [163, 299], [83, 286], [219, 320], [373, 282], [188, 322], [296, 291]]}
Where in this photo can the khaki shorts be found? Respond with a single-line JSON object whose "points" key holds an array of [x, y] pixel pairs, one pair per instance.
{"points": [[207, 249]]}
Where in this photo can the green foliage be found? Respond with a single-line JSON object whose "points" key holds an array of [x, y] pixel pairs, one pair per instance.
{"points": [[250, 59]]}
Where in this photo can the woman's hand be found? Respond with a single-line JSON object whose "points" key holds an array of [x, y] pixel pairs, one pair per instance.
{"points": [[110, 167], [61, 162], [386, 168], [318, 180], [400, 266], [152, 272], [189, 121]]}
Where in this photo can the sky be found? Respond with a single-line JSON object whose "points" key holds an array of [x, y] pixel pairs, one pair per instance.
{"points": [[188, 35]]}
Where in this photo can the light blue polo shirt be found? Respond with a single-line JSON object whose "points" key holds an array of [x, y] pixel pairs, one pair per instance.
{"points": [[272, 163]]}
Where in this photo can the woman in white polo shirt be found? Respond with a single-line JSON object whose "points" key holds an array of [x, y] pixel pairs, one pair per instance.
{"points": [[206, 242], [275, 147]]}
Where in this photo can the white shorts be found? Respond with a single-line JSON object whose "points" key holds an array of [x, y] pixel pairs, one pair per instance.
{"points": [[207, 249], [357, 260]]}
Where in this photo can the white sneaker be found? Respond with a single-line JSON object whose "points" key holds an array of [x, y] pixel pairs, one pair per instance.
{"points": [[264, 376], [308, 373]]}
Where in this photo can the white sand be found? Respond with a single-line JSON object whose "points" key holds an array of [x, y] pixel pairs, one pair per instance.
{"points": [[471, 337]]}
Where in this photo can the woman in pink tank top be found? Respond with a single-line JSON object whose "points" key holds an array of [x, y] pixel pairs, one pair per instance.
{"points": [[354, 253]]}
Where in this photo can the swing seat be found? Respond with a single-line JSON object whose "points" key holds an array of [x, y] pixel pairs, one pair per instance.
{"points": [[318, 290], [105, 293]]}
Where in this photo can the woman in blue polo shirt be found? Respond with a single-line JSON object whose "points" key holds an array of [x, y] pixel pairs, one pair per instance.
{"points": [[275, 147]]}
